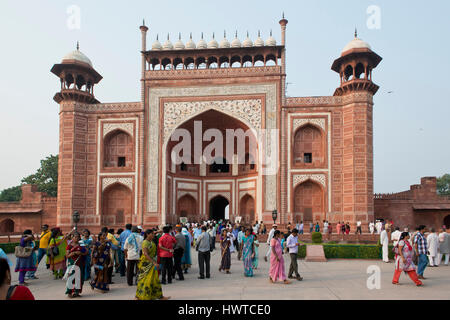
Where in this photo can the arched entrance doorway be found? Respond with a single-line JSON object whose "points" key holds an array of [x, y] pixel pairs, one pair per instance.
{"points": [[117, 205], [309, 201], [7, 226], [447, 221], [217, 208], [187, 207], [247, 209]]}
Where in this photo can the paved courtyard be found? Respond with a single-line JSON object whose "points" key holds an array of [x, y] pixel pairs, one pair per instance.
{"points": [[336, 279]]}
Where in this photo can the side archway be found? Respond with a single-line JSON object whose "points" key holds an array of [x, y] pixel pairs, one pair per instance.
{"points": [[309, 202], [117, 205], [186, 207], [247, 209], [7, 226]]}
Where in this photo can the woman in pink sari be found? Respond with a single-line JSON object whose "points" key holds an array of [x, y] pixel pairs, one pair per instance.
{"points": [[276, 270]]}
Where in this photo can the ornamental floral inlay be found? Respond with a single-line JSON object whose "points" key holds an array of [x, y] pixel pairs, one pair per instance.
{"points": [[320, 122], [175, 113], [106, 182], [300, 178], [127, 127]]}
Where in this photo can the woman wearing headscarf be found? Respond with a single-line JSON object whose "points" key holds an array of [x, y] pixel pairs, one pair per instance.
{"points": [[225, 243], [101, 259], [25, 263], [56, 253], [404, 260], [148, 285], [186, 261]]}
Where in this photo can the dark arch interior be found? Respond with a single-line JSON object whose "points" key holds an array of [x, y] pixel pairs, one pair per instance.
{"points": [[447, 221], [217, 208]]}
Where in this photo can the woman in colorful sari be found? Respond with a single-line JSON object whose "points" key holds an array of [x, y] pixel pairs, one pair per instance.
{"points": [[148, 286], [75, 253], [25, 264], [225, 243], [186, 261], [276, 270], [56, 253], [87, 241], [248, 252], [255, 259], [404, 260], [101, 259]]}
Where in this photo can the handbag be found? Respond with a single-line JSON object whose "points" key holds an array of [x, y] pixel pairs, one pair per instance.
{"points": [[23, 252], [53, 251]]}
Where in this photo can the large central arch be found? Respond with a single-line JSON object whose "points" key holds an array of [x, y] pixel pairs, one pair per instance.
{"points": [[206, 172]]}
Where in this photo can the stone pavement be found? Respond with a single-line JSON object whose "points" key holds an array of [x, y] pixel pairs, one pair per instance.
{"points": [[335, 279]]}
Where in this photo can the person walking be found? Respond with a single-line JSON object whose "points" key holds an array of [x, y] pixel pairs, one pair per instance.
{"points": [[421, 247], [248, 252], [239, 241], [433, 248], [132, 249], [225, 243], [404, 260], [166, 244], [301, 226], [444, 246], [325, 227], [347, 228], [269, 238], [384, 241], [74, 276], [255, 259], [87, 241], [178, 252], [292, 245], [123, 237], [371, 227], [44, 238], [317, 227], [56, 254], [186, 261], [338, 228], [204, 253], [25, 263], [311, 227], [276, 271], [148, 286]]}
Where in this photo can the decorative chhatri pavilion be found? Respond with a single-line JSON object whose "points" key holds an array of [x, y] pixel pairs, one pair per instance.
{"points": [[116, 159]]}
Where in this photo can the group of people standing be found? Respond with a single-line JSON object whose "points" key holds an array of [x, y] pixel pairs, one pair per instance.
{"points": [[414, 252]]}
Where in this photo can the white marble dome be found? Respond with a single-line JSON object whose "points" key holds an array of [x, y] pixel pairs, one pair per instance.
{"points": [[190, 44], [224, 43], [271, 41], [179, 45], [259, 42], [156, 45], [168, 44], [202, 44], [213, 44], [77, 55], [356, 44], [236, 43], [247, 42]]}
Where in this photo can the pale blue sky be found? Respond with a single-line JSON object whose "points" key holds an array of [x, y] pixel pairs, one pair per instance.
{"points": [[411, 136]]}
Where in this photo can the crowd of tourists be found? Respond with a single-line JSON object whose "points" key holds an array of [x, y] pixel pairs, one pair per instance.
{"points": [[155, 257]]}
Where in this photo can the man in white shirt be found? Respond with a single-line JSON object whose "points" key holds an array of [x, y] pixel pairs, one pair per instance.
{"points": [[395, 236], [358, 227], [444, 246], [371, 227], [269, 238], [433, 248], [132, 251], [384, 241], [379, 226], [292, 245]]}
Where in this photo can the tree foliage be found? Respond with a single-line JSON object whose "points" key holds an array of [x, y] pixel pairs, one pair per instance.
{"points": [[11, 194], [45, 178], [443, 185]]}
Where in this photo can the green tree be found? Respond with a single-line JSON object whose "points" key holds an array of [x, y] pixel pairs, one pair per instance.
{"points": [[443, 185], [46, 178], [11, 194]]}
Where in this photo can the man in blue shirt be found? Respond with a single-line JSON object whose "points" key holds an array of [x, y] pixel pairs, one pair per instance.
{"points": [[123, 237], [421, 247]]}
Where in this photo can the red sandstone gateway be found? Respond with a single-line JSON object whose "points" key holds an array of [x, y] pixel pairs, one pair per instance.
{"points": [[115, 159]]}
